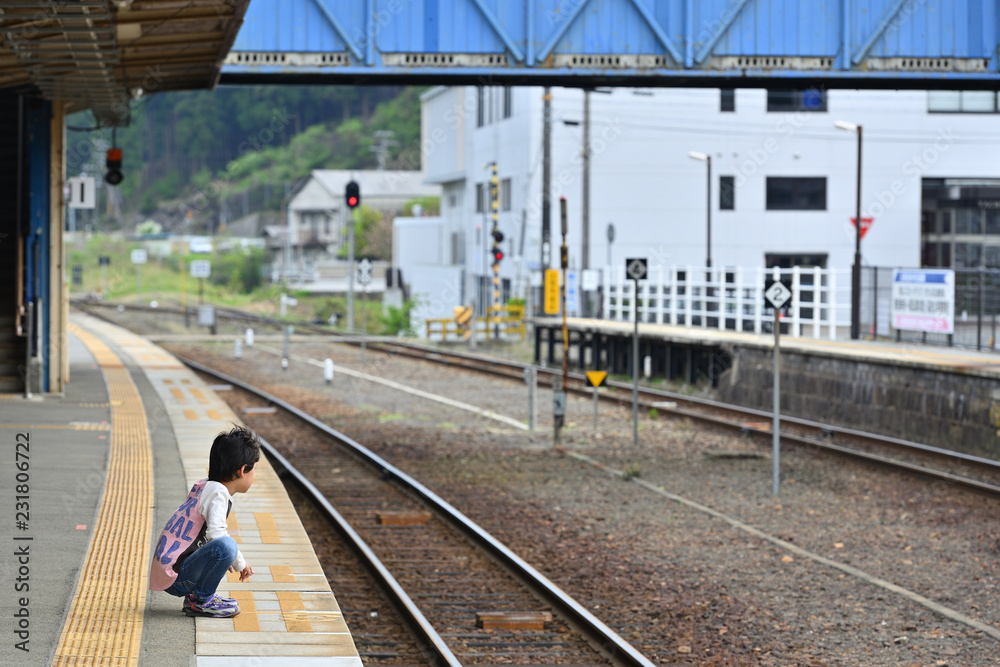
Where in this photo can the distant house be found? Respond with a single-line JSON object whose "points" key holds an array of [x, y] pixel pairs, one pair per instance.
{"points": [[316, 213]]}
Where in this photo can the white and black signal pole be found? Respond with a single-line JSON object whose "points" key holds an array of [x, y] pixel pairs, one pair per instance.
{"points": [[777, 295], [636, 269]]}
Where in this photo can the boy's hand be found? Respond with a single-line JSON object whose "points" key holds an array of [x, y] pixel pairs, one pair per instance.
{"points": [[246, 573]]}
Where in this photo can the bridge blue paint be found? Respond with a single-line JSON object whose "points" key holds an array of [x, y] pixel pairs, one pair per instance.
{"points": [[834, 43]]}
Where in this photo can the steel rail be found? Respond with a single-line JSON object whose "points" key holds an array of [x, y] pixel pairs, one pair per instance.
{"points": [[605, 639], [389, 583], [506, 368]]}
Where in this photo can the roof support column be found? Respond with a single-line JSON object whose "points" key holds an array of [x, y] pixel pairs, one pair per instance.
{"points": [[58, 340]]}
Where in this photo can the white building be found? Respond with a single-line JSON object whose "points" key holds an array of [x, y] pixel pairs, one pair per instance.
{"points": [[783, 177]]}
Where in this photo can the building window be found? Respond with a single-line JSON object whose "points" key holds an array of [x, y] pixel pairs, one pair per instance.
{"points": [[727, 193], [480, 197], [727, 99], [480, 107], [508, 106], [961, 101], [796, 100], [505, 202], [796, 194], [452, 200]]}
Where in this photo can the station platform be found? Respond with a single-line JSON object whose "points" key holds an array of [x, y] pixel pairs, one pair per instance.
{"points": [[591, 337], [101, 468]]}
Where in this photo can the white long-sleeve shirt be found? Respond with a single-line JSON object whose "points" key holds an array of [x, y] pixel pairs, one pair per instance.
{"points": [[214, 506]]}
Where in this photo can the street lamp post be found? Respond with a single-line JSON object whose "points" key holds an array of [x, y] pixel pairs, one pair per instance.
{"points": [[707, 159], [856, 270]]}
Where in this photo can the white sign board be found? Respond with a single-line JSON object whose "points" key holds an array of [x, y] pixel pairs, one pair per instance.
{"points": [[777, 294], [923, 300], [201, 268], [572, 293], [139, 256], [591, 280], [206, 316], [365, 271], [82, 192]]}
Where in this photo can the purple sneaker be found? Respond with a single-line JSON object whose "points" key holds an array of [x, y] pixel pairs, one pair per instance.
{"points": [[216, 607]]}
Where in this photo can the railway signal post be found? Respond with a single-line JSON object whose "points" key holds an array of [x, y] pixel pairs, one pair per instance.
{"points": [[559, 386], [497, 252], [636, 268], [777, 295], [352, 197]]}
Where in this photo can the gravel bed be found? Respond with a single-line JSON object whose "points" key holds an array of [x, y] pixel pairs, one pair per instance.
{"points": [[684, 587]]}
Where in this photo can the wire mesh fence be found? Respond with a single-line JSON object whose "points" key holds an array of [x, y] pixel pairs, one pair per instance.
{"points": [[976, 315]]}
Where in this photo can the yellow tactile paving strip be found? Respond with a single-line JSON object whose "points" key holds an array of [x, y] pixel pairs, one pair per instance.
{"points": [[104, 623], [287, 606]]}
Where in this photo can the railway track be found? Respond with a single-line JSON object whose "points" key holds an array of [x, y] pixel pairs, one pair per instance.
{"points": [[455, 585], [953, 467]]}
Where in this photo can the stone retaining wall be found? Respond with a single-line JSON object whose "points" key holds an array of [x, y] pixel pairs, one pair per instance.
{"points": [[950, 410]]}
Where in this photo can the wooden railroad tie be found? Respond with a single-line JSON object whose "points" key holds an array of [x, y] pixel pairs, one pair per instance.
{"points": [[513, 620], [402, 518]]}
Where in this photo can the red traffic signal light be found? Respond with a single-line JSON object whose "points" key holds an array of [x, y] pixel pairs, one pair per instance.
{"points": [[353, 195], [497, 255], [113, 162]]}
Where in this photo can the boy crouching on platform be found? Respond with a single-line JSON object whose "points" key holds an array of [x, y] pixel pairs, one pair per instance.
{"points": [[195, 550]]}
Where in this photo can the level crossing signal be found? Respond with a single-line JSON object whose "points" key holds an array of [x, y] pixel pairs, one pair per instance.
{"points": [[353, 194]]}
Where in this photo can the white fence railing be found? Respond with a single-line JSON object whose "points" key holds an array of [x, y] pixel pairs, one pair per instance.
{"points": [[731, 298]]}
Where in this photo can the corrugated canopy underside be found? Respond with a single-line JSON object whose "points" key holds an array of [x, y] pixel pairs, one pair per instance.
{"points": [[100, 54]]}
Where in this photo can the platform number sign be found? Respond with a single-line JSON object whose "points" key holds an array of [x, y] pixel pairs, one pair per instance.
{"points": [[777, 293], [636, 268], [82, 192]]}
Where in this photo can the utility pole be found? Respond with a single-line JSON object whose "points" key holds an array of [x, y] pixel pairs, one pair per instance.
{"points": [[381, 149], [585, 255], [546, 178]]}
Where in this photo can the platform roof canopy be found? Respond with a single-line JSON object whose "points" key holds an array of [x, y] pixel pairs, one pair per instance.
{"points": [[99, 54]]}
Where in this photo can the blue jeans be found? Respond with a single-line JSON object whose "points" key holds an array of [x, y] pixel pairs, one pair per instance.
{"points": [[202, 571]]}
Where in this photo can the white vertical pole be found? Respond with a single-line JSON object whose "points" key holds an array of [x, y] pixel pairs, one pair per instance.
{"points": [[817, 299], [831, 286], [688, 283], [758, 299], [607, 293], [739, 299], [673, 295], [796, 328], [659, 294], [720, 296]]}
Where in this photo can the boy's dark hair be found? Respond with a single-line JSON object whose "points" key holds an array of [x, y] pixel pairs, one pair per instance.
{"points": [[231, 451]]}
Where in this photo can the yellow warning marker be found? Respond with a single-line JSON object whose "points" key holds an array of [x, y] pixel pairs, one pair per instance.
{"points": [[596, 379], [551, 300], [463, 318]]}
